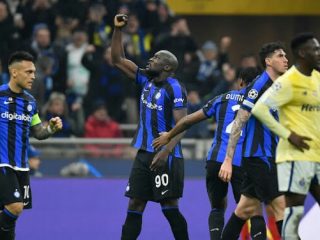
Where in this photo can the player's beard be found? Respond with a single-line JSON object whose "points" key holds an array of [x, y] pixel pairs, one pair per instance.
{"points": [[151, 73]]}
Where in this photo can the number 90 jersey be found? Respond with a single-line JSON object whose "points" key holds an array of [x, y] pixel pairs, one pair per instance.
{"points": [[223, 109]]}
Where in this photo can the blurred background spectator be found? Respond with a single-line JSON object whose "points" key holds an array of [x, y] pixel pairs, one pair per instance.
{"points": [[34, 162], [70, 41], [57, 107], [100, 125]]}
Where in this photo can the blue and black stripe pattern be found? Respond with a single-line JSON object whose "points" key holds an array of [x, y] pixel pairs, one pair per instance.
{"points": [[157, 102], [260, 141], [223, 110], [16, 112]]}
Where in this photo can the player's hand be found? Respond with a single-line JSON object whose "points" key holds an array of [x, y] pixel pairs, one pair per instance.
{"points": [[299, 141], [225, 172], [55, 124], [159, 160], [120, 20], [160, 141]]}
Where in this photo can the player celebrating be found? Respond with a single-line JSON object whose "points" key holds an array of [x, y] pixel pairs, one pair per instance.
{"points": [[222, 109], [297, 96], [18, 114], [156, 176], [260, 178]]}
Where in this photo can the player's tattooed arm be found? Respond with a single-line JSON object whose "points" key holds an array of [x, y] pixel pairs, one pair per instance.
{"points": [[241, 119], [40, 132]]}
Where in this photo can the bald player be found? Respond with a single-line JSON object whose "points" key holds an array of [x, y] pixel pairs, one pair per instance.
{"points": [[156, 175]]}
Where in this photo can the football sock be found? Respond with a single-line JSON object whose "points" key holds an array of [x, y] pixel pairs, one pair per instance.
{"points": [[7, 225], [216, 223], [258, 229], [233, 228], [177, 222], [279, 226], [292, 216], [132, 226]]}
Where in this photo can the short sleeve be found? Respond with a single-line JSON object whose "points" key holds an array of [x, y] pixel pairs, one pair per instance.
{"points": [[179, 96], [278, 94], [140, 78], [255, 90], [211, 106]]}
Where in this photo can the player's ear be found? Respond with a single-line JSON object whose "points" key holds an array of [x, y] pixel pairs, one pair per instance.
{"points": [[268, 61], [301, 53], [13, 71], [167, 68]]}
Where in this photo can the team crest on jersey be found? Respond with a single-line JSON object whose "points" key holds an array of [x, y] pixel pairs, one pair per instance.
{"points": [[158, 95], [16, 193], [302, 182], [253, 94], [29, 107], [276, 86]]}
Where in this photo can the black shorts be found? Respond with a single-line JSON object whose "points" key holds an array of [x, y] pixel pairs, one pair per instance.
{"points": [[15, 187], [260, 179], [155, 185], [218, 189]]}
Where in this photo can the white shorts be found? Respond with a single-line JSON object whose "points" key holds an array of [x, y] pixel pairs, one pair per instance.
{"points": [[296, 176]]}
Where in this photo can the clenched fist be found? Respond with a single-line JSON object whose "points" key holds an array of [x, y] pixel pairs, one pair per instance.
{"points": [[120, 20]]}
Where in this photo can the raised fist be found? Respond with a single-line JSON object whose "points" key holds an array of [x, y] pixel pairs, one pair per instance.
{"points": [[120, 20]]}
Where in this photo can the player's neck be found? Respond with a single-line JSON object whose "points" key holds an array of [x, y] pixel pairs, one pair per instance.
{"points": [[272, 74], [14, 88], [303, 68]]}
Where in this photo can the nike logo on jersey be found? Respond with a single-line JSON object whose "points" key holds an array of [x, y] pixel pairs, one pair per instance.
{"points": [[7, 102], [25, 203], [164, 192]]}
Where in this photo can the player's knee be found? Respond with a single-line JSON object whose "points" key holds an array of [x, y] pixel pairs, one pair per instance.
{"points": [[15, 208], [277, 207], [248, 211], [169, 203], [137, 204]]}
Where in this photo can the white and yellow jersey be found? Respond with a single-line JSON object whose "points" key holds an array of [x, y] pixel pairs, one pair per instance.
{"points": [[297, 98]]}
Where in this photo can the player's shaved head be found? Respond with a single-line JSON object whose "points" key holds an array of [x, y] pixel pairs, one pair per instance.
{"points": [[170, 59], [299, 42]]}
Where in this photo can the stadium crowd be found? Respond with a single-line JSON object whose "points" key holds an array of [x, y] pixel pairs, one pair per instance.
{"points": [[71, 43]]}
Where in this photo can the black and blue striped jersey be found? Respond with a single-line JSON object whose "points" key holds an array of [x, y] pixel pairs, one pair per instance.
{"points": [[18, 112], [157, 102], [260, 141], [223, 110]]}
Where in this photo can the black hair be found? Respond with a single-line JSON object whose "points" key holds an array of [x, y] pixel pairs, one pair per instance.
{"points": [[248, 74], [19, 57], [298, 41], [267, 49]]}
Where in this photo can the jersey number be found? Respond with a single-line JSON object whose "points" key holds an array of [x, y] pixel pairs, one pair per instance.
{"points": [[161, 180], [234, 108]]}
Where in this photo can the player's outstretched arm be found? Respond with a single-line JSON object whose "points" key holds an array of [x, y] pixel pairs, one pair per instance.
{"points": [[161, 157], [41, 132], [118, 58], [242, 117], [182, 125]]}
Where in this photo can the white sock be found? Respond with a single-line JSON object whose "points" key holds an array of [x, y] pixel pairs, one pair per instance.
{"points": [[292, 217]]}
